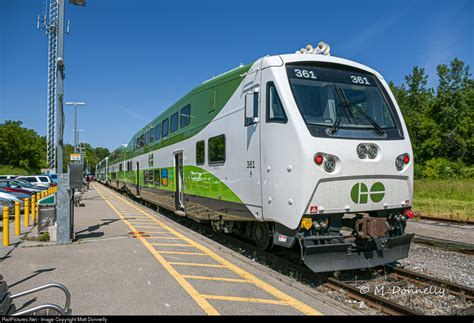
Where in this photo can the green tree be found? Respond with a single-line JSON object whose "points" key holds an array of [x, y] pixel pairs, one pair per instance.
{"points": [[452, 114], [21, 147]]}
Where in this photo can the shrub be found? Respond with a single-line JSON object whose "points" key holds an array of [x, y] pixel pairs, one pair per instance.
{"points": [[44, 236], [441, 168]]}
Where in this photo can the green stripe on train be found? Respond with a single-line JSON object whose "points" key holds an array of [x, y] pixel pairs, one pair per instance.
{"points": [[197, 181]]}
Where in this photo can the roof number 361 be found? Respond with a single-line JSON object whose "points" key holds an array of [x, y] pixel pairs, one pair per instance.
{"points": [[359, 80], [304, 73]]}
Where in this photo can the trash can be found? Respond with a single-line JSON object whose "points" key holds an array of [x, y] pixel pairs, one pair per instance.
{"points": [[46, 213]]}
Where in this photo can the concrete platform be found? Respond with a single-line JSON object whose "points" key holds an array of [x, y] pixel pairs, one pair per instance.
{"points": [[161, 268]]}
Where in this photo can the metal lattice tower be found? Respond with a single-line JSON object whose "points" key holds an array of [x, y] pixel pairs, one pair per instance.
{"points": [[50, 25]]}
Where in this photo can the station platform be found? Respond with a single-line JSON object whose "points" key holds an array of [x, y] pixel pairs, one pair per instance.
{"points": [[129, 260]]}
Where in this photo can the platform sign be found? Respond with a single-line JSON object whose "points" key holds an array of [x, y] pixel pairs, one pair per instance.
{"points": [[74, 157]]}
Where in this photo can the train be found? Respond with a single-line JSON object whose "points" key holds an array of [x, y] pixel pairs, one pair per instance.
{"points": [[303, 150]]}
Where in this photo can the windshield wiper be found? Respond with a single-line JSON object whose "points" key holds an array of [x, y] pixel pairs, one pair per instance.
{"points": [[346, 103]]}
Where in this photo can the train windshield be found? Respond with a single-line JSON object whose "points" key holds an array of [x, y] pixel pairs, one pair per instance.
{"points": [[338, 102]]}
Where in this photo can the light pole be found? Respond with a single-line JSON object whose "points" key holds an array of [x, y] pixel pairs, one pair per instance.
{"points": [[75, 104]]}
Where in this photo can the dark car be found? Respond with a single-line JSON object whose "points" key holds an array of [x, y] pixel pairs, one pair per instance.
{"points": [[20, 185]]}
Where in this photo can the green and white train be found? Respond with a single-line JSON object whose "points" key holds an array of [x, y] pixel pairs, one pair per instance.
{"points": [[299, 149]]}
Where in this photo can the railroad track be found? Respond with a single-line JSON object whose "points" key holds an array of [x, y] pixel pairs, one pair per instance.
{"points": [[432, 218], [450, 245], [287, 264]]}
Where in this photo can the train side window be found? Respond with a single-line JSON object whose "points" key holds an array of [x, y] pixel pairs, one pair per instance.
{"points": [[216, 150], [174, 122], [157, 178], [158, 131], [145, 177], [164, 128], [200, 155], [251, 107], [150, 177], [275, 111], [151, 135], [185, 116]]}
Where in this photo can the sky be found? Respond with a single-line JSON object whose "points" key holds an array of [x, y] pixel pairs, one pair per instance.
{"points": [[130, 60]]}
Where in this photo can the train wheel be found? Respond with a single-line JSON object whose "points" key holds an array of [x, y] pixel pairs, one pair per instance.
{"points": [[263, 235]]}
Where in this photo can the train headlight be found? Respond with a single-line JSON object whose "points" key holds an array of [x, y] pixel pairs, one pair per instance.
{"points": [[330, 165], [402, 161], [372, 152], [362, 151]]}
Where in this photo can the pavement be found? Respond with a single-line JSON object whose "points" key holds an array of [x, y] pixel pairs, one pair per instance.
{"points": [[127, 259]]}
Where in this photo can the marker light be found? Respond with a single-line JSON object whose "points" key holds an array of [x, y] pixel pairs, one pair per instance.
{"points": [[362, 151], [406, 159], [409, 213], [372, 152], [318, 159], [402, 161], [330, 165]]}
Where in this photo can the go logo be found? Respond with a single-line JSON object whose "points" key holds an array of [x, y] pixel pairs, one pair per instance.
{"points": [[360, 194]]}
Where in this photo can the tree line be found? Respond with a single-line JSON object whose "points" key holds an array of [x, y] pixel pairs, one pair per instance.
{"points": [[440, 120], [23, 151]]}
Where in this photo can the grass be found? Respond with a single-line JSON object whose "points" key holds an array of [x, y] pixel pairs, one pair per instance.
{"points": [[449, 199], [9, 170]]}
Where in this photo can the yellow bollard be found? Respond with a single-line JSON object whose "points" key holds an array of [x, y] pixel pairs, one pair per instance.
{"points": [[33, 206], [27, 212], [17, 218], [6, 237]]}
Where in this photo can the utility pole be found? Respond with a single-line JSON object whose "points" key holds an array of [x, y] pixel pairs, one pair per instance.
{"points": [[53, 24], [75, 104], [54, 27]]}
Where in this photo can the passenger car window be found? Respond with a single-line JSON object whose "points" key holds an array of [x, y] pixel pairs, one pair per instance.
{"points": [[185, 116], [174, 122], [151, 135], [216, 146], [275, 111], [43, 179], [164, 128], [200, 152], [158, 131]]}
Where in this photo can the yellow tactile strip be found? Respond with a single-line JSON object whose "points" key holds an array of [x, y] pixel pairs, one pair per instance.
{"points": [[184, 280]]}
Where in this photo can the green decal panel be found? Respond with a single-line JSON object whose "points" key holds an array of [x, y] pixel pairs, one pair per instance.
{"points": [[360, 193], [200, 182]]}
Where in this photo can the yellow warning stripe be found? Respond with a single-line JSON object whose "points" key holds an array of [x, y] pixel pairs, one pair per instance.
{"points": [[244, 299], [224, 279]]}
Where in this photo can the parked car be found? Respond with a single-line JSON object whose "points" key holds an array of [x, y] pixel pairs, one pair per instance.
{"points": [[39, 180], [29, 185], [16, 190], [17, 184], [18, 195], [53, 177], [8, 176], [12, 198], [8, 203]]}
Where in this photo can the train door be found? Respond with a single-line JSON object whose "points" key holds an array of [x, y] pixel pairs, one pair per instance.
{"points": [[179, 196], [251, 158], [138, 179]]}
